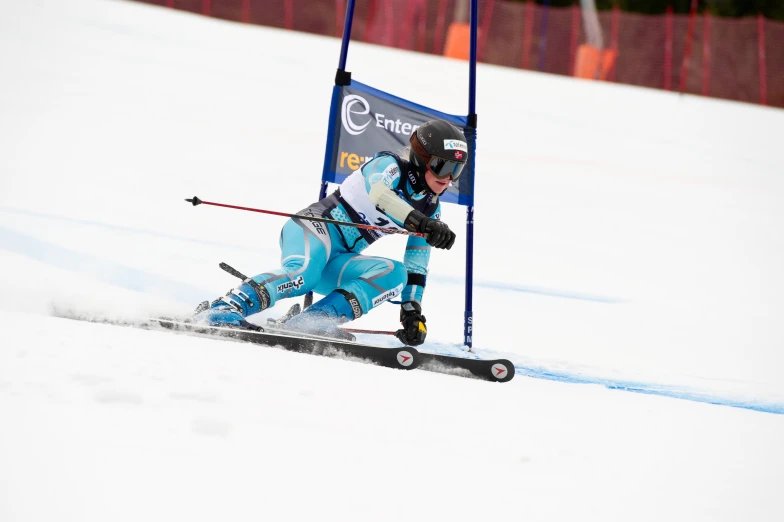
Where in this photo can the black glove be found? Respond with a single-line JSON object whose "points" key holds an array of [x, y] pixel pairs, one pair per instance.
{"points": [[436, 232], [414, 330]]}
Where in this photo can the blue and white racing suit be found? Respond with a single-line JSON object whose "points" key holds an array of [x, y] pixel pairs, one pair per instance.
{"points": [[325, 257]]}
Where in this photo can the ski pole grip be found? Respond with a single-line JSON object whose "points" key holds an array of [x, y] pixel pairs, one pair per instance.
{"points": [[195, 201]]}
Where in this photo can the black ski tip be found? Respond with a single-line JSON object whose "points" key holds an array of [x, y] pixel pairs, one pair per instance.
{"points": [[195, 200], [494, 370]]}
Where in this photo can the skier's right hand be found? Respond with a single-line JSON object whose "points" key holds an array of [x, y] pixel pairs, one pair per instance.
{"points": [[414, 330], [437, 233]]}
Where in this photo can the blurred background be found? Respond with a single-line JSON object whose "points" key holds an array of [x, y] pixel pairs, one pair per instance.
{"points": [[730, 49]]}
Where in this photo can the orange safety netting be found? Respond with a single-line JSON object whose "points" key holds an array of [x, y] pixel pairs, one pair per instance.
{"points": [[736, 59]]}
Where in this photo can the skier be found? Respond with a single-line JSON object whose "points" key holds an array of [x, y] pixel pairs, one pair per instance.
{"points": [[387, 191]]}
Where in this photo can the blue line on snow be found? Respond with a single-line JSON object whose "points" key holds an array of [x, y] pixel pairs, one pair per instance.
{"points": [[97, 268], [118, 228], [662, 390], [647, 388]]}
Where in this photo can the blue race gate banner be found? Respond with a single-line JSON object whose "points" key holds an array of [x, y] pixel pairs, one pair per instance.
{"points": [[364, 121]]}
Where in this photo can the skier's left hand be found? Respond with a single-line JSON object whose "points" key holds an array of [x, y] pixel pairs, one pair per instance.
{"points": [[414, 330], [437, 233]]}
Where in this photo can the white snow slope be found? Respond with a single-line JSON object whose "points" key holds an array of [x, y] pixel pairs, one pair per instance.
{"points": [[626, 239]]}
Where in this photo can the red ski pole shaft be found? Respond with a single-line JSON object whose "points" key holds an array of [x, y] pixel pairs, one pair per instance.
{"points": [[196, 201], [360, 330]]}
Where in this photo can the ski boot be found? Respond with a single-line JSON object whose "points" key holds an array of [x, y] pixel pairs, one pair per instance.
{"points": [[231, 309], [322, 318]]}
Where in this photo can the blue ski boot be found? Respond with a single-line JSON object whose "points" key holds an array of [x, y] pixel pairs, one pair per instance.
{"points": [[232, 309], [322, 318]]}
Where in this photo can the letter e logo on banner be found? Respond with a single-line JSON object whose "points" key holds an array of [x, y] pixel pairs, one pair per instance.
{"points": [[348, 123]]}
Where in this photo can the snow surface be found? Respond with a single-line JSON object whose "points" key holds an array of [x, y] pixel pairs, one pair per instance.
{"points": [[626, 239]]}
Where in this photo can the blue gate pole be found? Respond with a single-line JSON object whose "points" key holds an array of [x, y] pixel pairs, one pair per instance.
{"points": [[468, 318], [472, 61], [346, 34], [341, 78]]}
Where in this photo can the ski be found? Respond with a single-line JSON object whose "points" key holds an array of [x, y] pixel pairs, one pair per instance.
{"points": [[403, 358], [497, 370]]}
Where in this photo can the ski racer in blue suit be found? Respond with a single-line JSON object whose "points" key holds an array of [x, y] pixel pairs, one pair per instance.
{"points": [[387, 191]]}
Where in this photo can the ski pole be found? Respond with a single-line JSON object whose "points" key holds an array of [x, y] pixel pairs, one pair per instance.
{"points": [[196, 201], [359, 330]]}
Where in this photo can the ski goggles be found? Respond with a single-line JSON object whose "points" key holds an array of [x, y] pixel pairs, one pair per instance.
{"points": [[443, 168]]}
